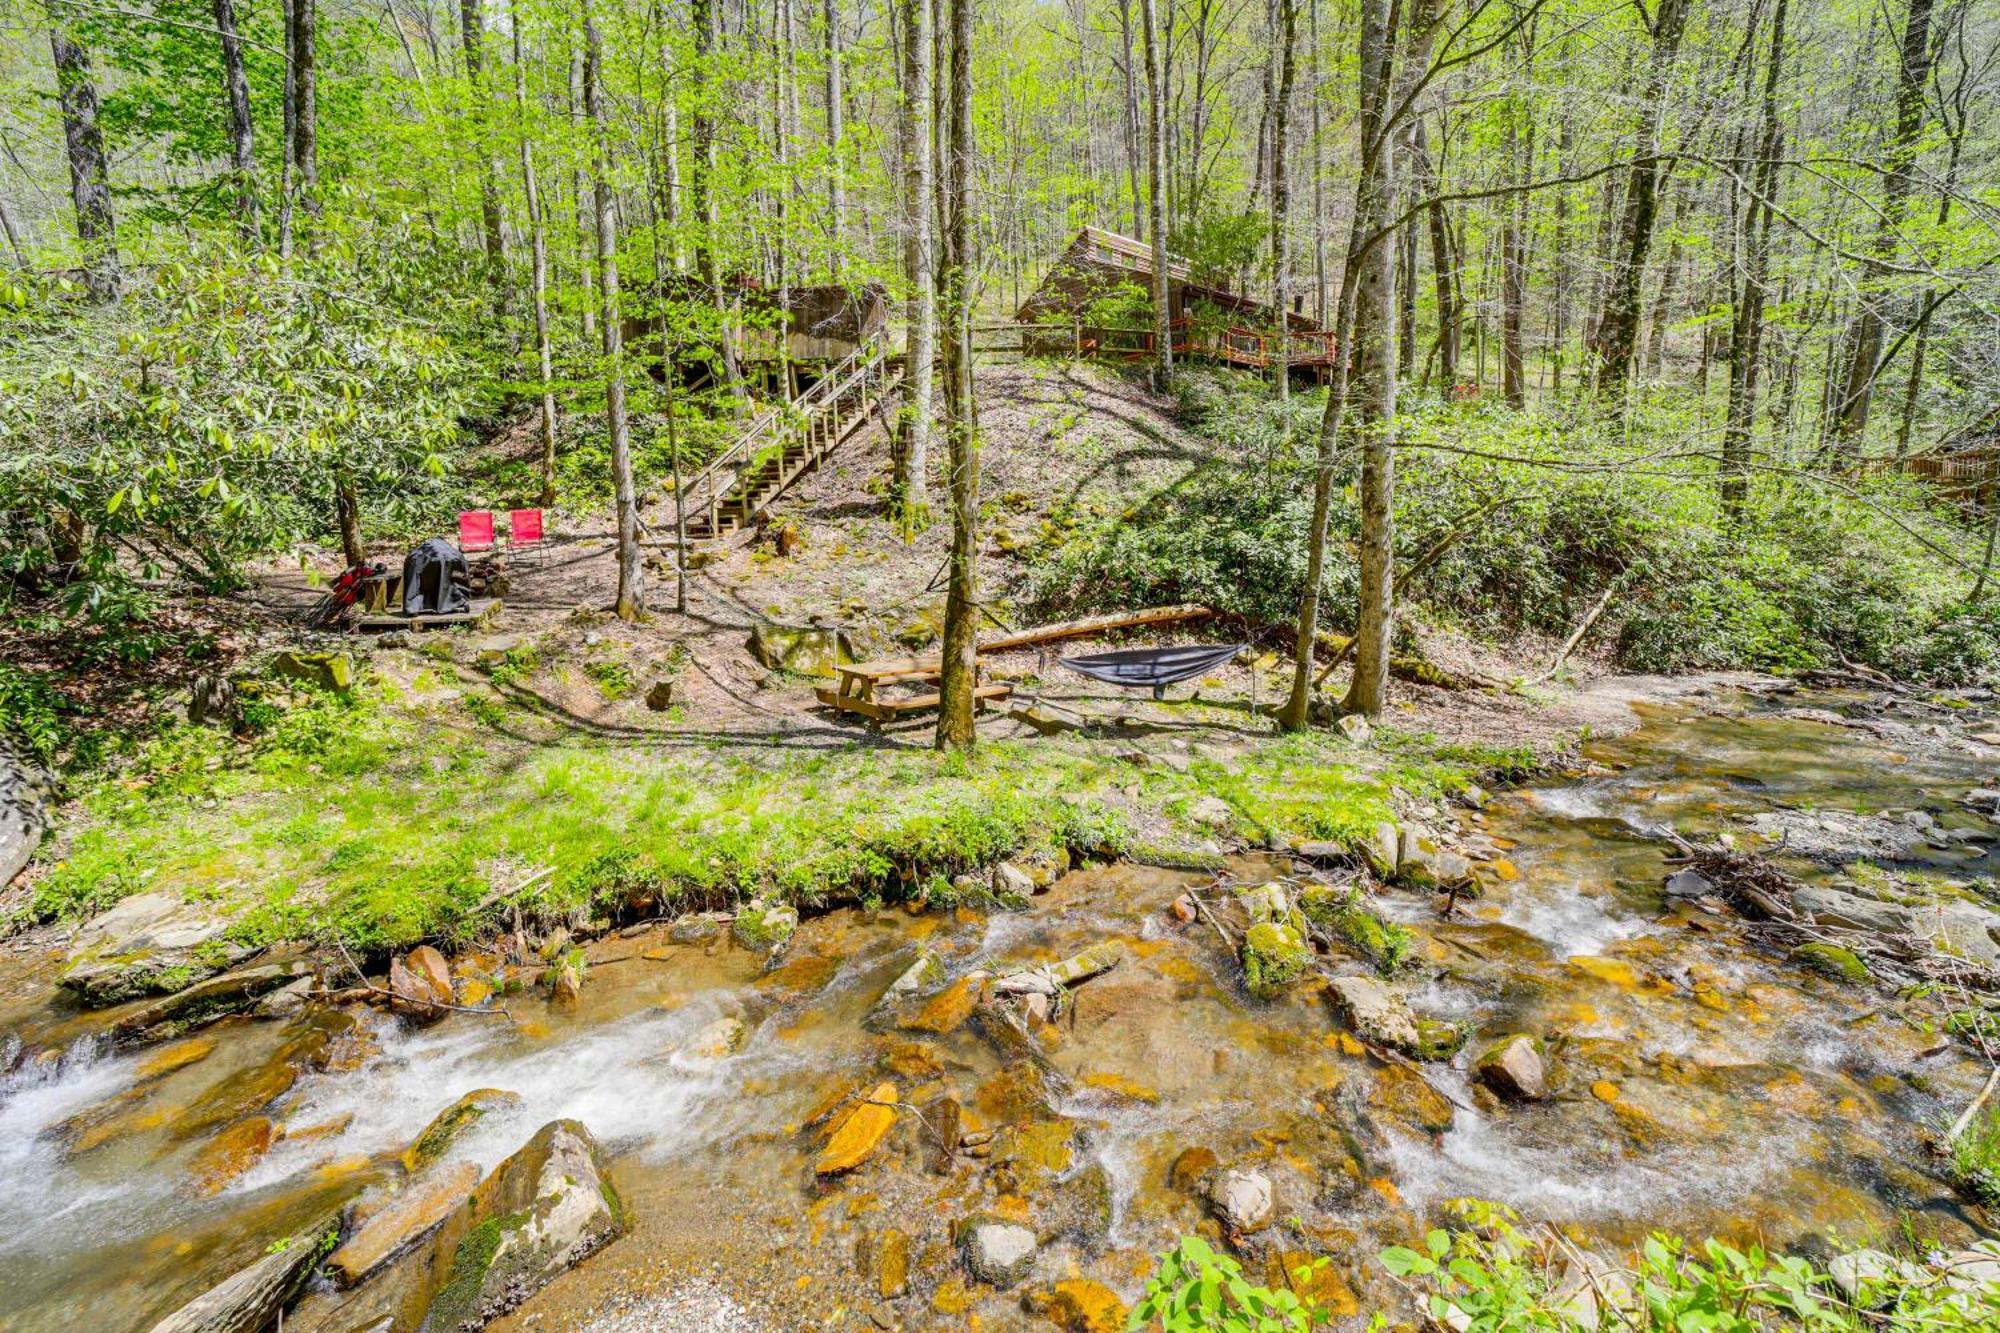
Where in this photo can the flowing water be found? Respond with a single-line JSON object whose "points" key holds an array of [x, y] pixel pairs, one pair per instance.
{"points": [[1700, 1084]]}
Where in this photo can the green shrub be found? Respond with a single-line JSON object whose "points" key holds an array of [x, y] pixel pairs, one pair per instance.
{"points": [[1196, 1290], [34, 713]]}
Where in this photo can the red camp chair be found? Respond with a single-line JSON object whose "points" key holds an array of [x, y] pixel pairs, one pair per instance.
{"points": [[475, 531], [524, 532]]}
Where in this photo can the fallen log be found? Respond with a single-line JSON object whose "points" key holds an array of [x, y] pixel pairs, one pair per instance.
{"points": [[1076, 629]]}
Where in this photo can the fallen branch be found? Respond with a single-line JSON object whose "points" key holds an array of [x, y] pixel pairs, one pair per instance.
{"points": [[1965, 1116], [1576, 635]]}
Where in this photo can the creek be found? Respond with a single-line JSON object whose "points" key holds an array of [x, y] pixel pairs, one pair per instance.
{"points": [[1699, 1084]]}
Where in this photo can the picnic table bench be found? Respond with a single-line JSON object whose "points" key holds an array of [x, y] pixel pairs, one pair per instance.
{"points": [[859, 682]]}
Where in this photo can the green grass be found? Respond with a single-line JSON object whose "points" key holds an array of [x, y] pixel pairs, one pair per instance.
{"points": [[380, 820]]}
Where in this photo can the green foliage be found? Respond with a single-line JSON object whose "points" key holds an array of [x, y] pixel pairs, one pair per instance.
{"points": [[1197, 1290], [1975, 1157], [1489, 1276], [34, 713], [1536, 515]]}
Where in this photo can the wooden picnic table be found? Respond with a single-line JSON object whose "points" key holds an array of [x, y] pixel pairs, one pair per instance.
{"points": [[859, 682]]}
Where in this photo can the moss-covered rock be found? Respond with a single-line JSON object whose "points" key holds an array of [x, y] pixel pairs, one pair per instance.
{"points": [[1275, 955], [454, 1120], [765, 927], [1383, 943], [1832, 961], [1437, 1039], [542, 1210]]}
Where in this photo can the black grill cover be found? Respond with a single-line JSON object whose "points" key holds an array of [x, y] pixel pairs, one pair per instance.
{"points": [[434, 580]]}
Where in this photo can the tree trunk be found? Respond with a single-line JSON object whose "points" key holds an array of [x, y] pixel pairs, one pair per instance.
{"points": [[538, 247], [1746, 331], [347, 508], [1514, 244], [1367, 316], [89, 173], [1850, 414], [1131, 116], [586, 218], [836, 181], [1618, 324], [630, 604], [472, 36], [288, 168], [1281, 190], [1156, 200], [305, 113], [707, 206], [911, 483], [960, 674], [236, 88], [1374, 343]]}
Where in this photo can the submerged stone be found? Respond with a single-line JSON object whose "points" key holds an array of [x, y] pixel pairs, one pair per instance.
{"points": [[1832, 961], [454, 1120], [231, 1153], [1243, 1201], [1403, 1095], [999, 1253], [1512, 1067], [1079, 1305], [860, 1134]]}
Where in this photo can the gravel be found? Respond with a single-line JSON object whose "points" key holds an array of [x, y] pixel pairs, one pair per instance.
{"points": [[695, 1307]]}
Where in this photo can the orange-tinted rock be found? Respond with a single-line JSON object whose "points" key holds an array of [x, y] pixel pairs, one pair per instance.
{"points": [[1189, 1168], [860, 1133], [1079, 1305], [421, 981], [176, 1055], [401, 1220], [232, 1152], [948, 1009]]}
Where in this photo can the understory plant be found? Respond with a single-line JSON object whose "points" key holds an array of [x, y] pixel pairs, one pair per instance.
{"points": [[1492, 1276], [1197, 1290]]}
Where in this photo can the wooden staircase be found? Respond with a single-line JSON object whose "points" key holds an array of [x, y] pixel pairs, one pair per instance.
{"points": [[786, 442]]}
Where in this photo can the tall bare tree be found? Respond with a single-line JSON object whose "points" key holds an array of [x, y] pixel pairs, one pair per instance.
{"points": [[236, 91], [538, 273], [1746, 330], [472, 37], [959, 678], [1618, 323], [1156, 195], [836, 176], [1285, 34], [630, 604], [1864, 341], [304, 39], [911, 483], [89, 170]]}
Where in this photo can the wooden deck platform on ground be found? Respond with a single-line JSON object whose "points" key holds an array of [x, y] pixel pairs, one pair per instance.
{"points": [[481, 608]]}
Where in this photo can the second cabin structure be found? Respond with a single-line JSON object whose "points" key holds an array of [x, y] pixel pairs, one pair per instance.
{"points": [[1065, 314], [806, 328]]}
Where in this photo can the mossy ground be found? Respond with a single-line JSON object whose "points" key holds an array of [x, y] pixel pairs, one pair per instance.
{"points": [[400, 813]]}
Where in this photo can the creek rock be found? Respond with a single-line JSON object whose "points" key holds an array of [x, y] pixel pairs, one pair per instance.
{"points": [[857, 1136], [1512, 1067], [1870, 1279], [24, 811], [1425, 862], [1837, 836], [1832, 961], [695, 930], [381, 1229], [543, 1210], [1342, 911], [1012, 884], [805, 651], [1403, 1095], [421, 983], [1383, 848], [1079, 1305], [1834, 908], [148, 944], [1374, 1012], [206, 1001], [1688, 883], [926, 974], [1275, 955], [1964, 929], [231, 1153], [999, 1253], [448, 1125], [250, 1301], [1192, 1167], [1053, 978], [1243, 1201], [763, 927]]}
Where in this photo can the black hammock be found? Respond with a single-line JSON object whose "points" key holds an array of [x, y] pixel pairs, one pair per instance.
{"points": [[1133, 668]]}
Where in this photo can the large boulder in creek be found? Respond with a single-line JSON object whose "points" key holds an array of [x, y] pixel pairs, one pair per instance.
{"points": [[24, 815], [384, 1226], [1838, 837], [543, 1210], [1831, 907], [447, 1125], [149, 944]]}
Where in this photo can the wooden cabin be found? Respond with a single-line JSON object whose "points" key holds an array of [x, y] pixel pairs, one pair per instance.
{"points": [[815, 327], [1208, 321]]}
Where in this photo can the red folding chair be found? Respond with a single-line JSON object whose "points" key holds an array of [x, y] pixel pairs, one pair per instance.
{"points": [[475, 531], [524, 532]]}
